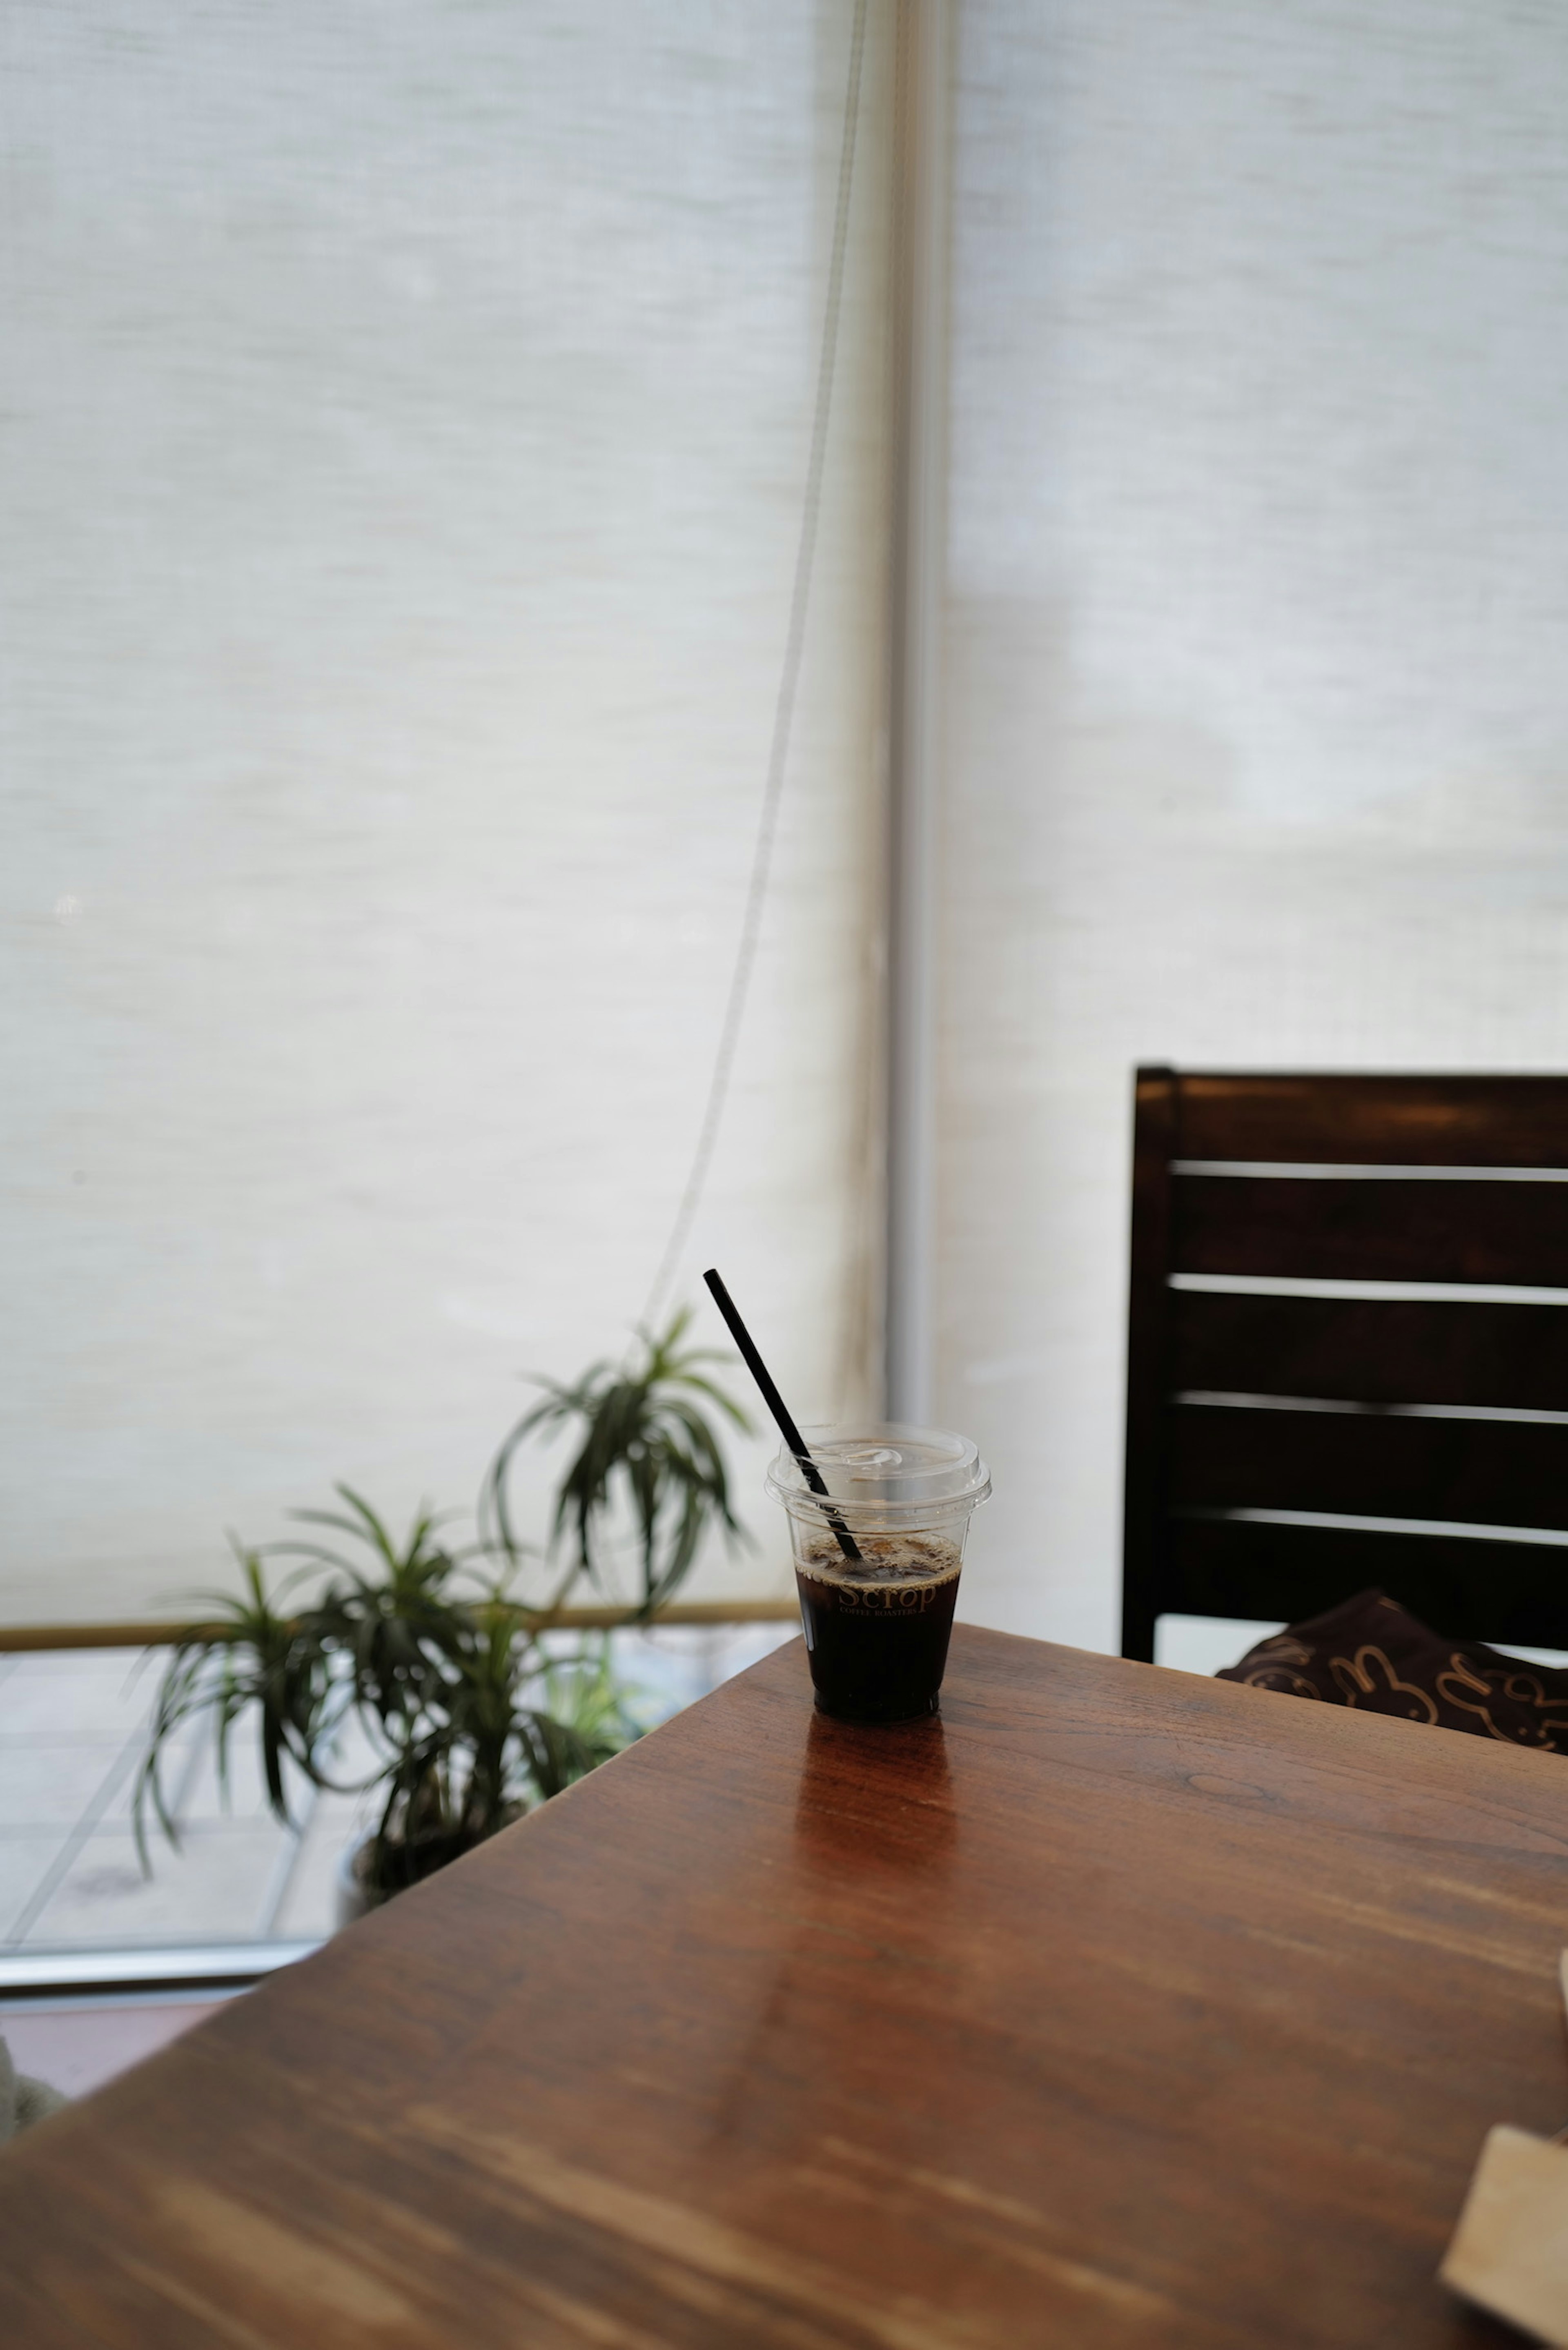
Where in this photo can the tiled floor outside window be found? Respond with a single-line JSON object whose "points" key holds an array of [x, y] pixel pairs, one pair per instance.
{"points": [[72, 1727]]}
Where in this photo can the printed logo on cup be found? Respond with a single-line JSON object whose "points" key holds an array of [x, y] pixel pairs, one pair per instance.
{"points": [[885, 1598]]}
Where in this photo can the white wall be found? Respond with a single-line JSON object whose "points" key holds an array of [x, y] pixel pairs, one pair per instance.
{"points": [[1257, 603]]}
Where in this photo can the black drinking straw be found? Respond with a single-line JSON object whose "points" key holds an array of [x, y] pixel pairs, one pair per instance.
{"points": [[775, 1404]]}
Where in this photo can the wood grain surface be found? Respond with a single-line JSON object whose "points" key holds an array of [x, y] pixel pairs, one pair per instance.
{"points": [[1117, 2007]]}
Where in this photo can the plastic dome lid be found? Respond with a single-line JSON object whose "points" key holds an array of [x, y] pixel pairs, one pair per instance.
{"points": [[884, 1471]]}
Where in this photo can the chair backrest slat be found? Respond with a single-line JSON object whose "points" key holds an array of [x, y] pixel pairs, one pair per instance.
{"points": [[1376, 1351], [1496, 1472], [1343, 1229], [1374, 1121], [1229, 1568]]}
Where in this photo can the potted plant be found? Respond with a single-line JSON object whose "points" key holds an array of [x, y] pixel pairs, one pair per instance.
{"points": [[472, 1707], [471, 1717]]}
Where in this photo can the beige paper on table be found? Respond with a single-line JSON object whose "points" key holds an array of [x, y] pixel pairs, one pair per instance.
{"points": [[1510, 2250]]}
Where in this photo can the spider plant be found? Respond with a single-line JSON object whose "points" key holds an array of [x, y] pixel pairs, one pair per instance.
{"points": [[646, 1448], [469, 1716], [469, 1710]]}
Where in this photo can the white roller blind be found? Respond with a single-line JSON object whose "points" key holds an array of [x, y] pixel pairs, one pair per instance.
{"points": [[1256, 607], [406, 413]]}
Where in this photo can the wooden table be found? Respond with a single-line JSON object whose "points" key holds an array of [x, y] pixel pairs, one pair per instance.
{"points": [[1119, 2007]]}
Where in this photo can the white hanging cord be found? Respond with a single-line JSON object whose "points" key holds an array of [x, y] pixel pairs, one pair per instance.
{"points": [[784, 713]]}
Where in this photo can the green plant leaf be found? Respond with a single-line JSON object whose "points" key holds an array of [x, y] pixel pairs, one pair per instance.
{"points": [[644, 1447]]}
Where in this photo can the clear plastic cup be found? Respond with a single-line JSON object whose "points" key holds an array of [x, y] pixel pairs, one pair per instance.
{"points": [[876, 1560]]}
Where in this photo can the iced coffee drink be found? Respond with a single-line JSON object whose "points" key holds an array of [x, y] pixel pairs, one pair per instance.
{"points": [[878, 1558]]}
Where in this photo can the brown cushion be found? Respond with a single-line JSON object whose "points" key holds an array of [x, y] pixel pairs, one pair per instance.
{"points": [[1370, 1652]]}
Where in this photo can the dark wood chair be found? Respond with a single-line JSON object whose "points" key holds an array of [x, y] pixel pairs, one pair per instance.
{"points": [[1348, 1339]]}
